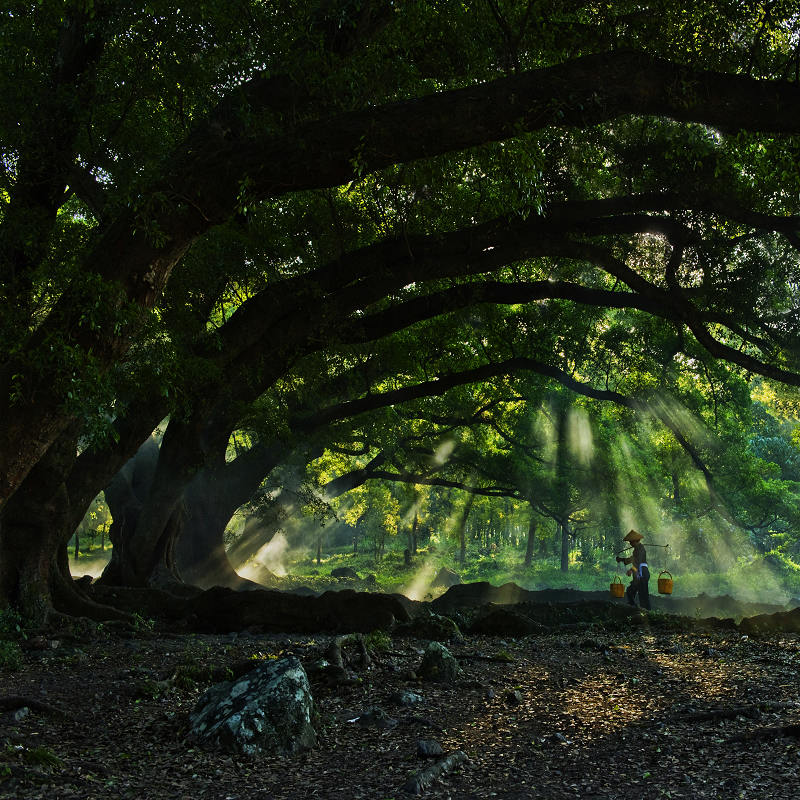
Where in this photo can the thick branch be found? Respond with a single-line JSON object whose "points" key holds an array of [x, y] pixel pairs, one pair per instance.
{"points": [[581, 92], [427, 480]]}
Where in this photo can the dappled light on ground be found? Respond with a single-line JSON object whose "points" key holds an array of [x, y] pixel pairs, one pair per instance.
{"points": [[611, 712]]}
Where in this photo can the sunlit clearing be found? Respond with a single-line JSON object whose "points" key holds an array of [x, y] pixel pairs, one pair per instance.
{"points": [[444, 451], [93, 566], [270, 557], [579, 434], [419, 585]]}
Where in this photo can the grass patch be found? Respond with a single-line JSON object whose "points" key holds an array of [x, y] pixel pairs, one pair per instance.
{"points": [[772, 578]]}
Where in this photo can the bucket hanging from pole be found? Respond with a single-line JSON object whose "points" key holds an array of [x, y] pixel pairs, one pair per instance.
{"points": [[617, 587], [664, 584]]}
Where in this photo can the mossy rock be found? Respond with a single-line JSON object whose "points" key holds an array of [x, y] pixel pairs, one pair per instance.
{"points": [[433, 627], [439, 664]]}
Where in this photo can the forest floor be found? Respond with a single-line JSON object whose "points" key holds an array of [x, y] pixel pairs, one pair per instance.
{"points": [[594, 712]]}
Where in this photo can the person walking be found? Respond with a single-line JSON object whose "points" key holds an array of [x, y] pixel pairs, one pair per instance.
{"points": [[638, 570]]}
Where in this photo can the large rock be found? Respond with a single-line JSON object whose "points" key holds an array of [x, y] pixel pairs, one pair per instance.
{"points": [[344, 572], [223, 610], [266, 710], [505, 621], [471, 595], [783, 621], [433, 627], [445, 578]]}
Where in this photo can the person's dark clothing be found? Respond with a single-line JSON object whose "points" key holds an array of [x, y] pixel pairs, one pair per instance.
{"points": [[640, 585], [641, 577]]}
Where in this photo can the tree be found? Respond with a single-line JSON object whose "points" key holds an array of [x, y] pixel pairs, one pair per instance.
{"points": [[632, 165]]}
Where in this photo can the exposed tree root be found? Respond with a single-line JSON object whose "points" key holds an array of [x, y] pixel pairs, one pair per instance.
{"points": [[335, 653], [336, 673], [13, 702], [480, 657], [68, 599], [752, 710], [421, 780], [772, 732]]}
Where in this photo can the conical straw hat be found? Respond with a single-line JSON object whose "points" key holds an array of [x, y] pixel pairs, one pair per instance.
{"points": [[633, 536]]}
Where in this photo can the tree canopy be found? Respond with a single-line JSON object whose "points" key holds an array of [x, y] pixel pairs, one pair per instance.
{"points": [[290, 219]]}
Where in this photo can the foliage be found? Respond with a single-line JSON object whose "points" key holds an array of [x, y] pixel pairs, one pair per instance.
{"points": [[142, 625], [11, 625], [605, 267], [36, 756], [10, 656], [379, 641]]}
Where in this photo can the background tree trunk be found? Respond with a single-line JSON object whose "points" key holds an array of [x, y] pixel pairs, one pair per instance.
{"points": [[564, 546], [462, 528], [530, 543]]}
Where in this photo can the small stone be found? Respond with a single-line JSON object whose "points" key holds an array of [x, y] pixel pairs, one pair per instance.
{"points": [[376, 717], [513, 697], [406, 698], [20, 714], [429, 748]]}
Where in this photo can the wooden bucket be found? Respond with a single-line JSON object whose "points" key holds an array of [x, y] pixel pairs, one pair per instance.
{"points": [[664, 584], [617, 587]]}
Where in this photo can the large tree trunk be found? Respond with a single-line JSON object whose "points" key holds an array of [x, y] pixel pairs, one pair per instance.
{"points": [[183, 453], [28, 550], [42, 515], [125, 494], [190, 546], [200, 549], [36, 526], [32, 525], [210, 501]]}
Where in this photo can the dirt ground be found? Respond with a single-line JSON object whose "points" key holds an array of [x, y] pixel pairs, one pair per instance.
{"points": [[592, 713]]}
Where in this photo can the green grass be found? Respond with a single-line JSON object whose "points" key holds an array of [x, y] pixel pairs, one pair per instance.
{"points": [[772, 578], [42, 757]]}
